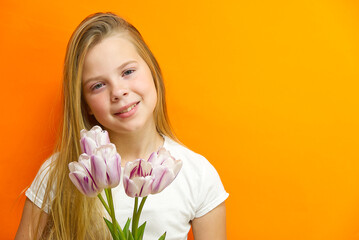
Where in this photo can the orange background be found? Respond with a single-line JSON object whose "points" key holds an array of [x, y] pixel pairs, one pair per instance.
{"points": [[266, 90]]}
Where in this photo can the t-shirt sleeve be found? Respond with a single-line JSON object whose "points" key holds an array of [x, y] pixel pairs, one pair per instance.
{"points": [[211, 190], [36, 191]]}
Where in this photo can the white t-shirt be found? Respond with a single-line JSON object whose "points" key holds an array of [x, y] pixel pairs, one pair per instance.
{"points": [[196, 191]]}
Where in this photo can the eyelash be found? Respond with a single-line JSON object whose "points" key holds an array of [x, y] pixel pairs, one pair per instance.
{"points": [[99, 85], [126, 73], [96, 86]]}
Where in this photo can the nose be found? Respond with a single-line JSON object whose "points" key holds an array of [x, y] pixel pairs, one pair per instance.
{"points": [[118, 92]]}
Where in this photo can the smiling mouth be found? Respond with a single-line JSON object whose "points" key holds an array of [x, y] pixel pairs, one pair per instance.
{"points": [[129, 108]]}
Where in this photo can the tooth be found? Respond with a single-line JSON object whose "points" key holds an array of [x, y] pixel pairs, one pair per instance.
{"points": [[129, 108]]}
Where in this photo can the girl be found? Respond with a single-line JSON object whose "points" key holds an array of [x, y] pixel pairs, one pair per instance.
{"points": [[112, 79]]}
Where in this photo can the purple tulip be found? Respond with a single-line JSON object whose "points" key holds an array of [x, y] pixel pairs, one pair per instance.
{"points": [[99, 166], [142, 178], [106, 166], [80, 175], [165, 169], [90, 140], [137, 178]]}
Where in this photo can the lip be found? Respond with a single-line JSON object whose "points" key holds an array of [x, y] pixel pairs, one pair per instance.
{"points": [[129, 113]]}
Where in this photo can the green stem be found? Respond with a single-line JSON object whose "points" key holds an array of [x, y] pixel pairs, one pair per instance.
{"points": [[107, 208], [134, 225], [112, 210], [141, 206], [104, 203], [136, 217]]}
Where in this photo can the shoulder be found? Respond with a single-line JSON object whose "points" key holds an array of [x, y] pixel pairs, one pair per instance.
{"points": [[196, 168], [49, 162], [45, 167], [205, 188], [188, 156], [36, 191]]}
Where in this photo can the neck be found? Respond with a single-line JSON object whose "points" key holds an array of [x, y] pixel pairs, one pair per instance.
{"points": [[138, 144]]}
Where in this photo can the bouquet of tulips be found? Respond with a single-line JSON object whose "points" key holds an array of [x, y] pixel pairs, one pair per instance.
{"points": [[99, 169]]}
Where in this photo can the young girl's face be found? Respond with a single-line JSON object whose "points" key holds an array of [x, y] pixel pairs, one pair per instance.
{"points": [[118, 86]]}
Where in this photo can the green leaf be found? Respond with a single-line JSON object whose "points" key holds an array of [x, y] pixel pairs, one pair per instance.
{"points": [[110, 227], [130, 237], [126, 228], [140, 231], [162, 237]]}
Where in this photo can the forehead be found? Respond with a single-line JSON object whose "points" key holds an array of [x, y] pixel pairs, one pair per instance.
{"points": [[108, 54]]}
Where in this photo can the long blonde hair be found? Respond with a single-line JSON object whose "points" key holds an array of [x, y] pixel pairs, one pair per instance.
{"points": [[72, 215]]}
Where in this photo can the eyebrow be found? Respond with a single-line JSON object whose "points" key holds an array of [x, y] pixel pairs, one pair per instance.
{"points": [[119, 67]]}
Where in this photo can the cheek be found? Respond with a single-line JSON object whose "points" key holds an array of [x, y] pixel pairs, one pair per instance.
{"points": [[154, 95], [95, 105], [150, 92], [147, 86]]}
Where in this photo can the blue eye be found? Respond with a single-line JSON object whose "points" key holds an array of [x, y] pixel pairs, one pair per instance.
{"points": [[96, 86], [128, 72]]}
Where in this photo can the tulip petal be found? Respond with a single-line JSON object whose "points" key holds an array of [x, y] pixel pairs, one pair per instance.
{"points": [[153, 158], [88, 145], [163, 155], [146, 187], [142, 178], [165, 170], [76, 180], [84, 184], [177, 167], [111, 165], [75, 166], [163, 178], [114, 170], [102, 138], [98, 171], [138, 178], [81, 177], [130, 187], [92, 139]]}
